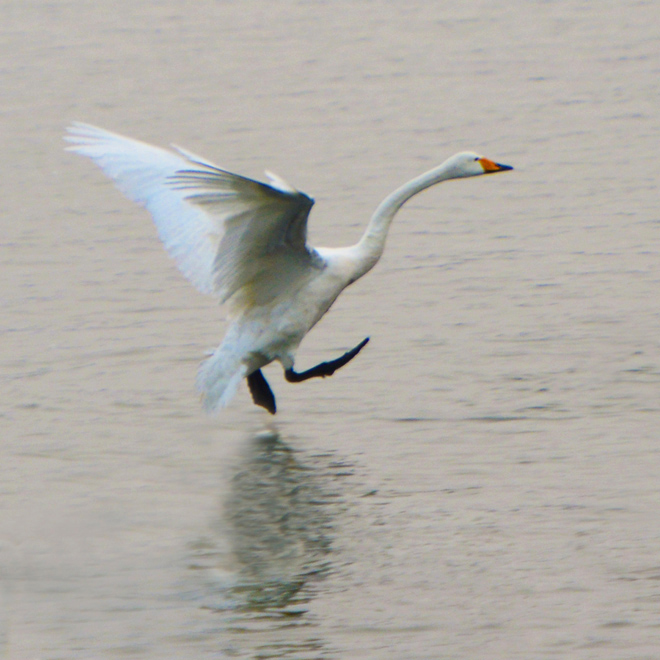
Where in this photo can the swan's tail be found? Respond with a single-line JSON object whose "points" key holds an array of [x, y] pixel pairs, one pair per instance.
{"points": [[219, 377]]}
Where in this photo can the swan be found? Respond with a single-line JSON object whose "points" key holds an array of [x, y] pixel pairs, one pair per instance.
{"points": [[245, 242]]}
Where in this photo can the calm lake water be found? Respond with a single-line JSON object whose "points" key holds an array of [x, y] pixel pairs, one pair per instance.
{"points": [[481, 482]]}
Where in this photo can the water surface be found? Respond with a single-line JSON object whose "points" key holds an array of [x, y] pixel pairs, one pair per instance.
{"points": [[481, 482]]}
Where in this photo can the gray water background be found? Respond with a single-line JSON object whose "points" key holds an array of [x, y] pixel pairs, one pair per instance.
{"points": [[481, 482]]}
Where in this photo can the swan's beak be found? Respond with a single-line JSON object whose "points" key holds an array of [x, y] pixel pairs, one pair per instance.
{"points": [[490, 166]]}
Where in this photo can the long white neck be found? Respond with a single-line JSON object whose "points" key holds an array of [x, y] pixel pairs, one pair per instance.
{"points": [[370, 247]]}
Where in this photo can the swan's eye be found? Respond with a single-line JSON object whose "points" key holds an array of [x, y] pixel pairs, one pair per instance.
{"points": [[476, 158]]}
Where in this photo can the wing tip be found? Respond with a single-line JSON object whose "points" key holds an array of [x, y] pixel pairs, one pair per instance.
{"points": [[80, 135], [280, 184]]}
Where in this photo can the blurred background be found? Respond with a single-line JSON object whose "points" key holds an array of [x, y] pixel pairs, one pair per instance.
{"points": [[482, 481]]}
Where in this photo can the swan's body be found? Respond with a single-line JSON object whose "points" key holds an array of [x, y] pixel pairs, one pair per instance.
{"points": [[245, 242]]}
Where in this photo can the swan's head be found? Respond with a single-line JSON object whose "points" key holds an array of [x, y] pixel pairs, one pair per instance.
{"points": [[467, 163]]}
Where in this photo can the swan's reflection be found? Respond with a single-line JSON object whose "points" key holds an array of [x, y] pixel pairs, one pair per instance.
{"points": [[278, 521], [274, 545]]}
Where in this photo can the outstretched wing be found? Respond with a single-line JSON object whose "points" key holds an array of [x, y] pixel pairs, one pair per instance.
{"points": [[264, 246], [225, 232]]}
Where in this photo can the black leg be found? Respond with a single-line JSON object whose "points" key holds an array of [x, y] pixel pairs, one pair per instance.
{"points": [[325, 368], [261, 393]]}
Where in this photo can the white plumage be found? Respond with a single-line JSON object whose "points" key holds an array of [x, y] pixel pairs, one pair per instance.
{"points": [[245, 242]]}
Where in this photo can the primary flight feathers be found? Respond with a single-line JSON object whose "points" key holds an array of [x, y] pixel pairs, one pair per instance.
{"points": [[215, 224]]}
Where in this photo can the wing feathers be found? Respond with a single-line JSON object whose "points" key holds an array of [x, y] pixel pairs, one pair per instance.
{"points": [[226, 232]]}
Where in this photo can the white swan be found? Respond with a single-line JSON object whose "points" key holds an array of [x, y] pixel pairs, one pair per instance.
{"points": [[246, 243]]}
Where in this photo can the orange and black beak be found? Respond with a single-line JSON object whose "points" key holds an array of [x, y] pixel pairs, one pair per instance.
{"points": [[490, 166]]}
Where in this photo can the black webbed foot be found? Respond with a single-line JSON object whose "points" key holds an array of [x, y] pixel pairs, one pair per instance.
{"points": [[325, 368], [261, 393]]}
